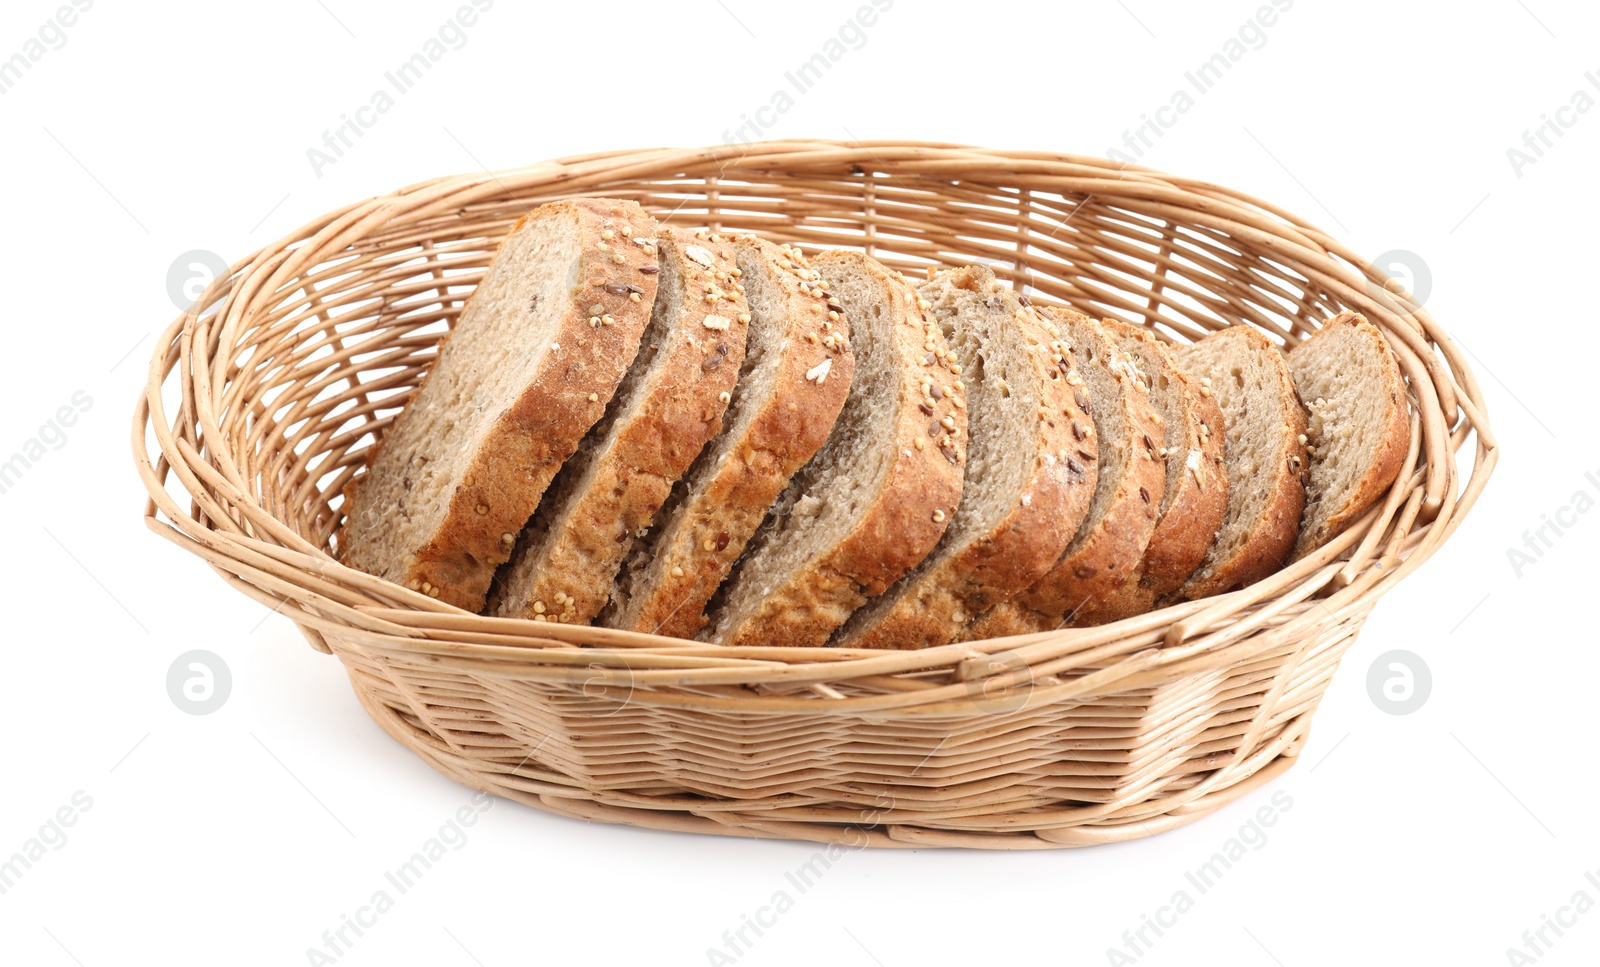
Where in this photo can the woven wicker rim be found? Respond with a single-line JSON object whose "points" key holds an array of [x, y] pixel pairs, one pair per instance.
{"points": [[259, 405]]}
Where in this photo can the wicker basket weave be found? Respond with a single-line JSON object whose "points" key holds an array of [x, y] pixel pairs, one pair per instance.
{"points": [[262, 402]]}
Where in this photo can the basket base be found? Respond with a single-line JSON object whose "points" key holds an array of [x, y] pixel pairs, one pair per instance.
{"points": [[683, 814]]}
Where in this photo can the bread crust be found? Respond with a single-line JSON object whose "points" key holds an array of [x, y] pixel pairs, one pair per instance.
{"points": [[1194, 509], [1023, 545], [1273, 534], [569, 575], [523, 449], [1391, 451], [915, 505], [790, 426], [1098, 563]]}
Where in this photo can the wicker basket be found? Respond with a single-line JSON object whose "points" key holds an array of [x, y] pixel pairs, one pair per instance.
{"points": [[262, 402]]}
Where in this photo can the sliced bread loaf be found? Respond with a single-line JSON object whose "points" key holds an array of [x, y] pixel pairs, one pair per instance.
{"points": [[1358, 431], [876, 498], [1106, 551], [796, 373], [1030, 468], [527, 370], [1265, 457], [1196, 494], [668, 406]]}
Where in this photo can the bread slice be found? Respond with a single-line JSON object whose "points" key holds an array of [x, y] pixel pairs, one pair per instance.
{"points": [[796, 374], [1030, 469], [876, 498], [668, 406], [1196, 493], [529, 367], [1106, 551], [1358, 431], [1265, 460]]}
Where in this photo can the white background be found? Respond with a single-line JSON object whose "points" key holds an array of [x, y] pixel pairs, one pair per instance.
{"points": [[240, 836]]}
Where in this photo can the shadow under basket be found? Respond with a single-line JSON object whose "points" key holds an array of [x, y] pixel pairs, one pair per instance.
{"points": [[264, 400]]}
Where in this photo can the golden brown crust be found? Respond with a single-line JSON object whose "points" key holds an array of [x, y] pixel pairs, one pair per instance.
{"points": [[792, 424], [917, 501], [1273, 534], [569, 578], [1391, 452], [1010, 617], [520, 454], [1024, 544], [1195, 508], [1101, 561]]}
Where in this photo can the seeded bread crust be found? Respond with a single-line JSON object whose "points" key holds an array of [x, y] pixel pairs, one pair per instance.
{"points": [[567, 559], [907, 515], [1328, 513], [1197, 494], [1105, 554], [964, 579], [515, 458], [1272, 532], [702, 531]]}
